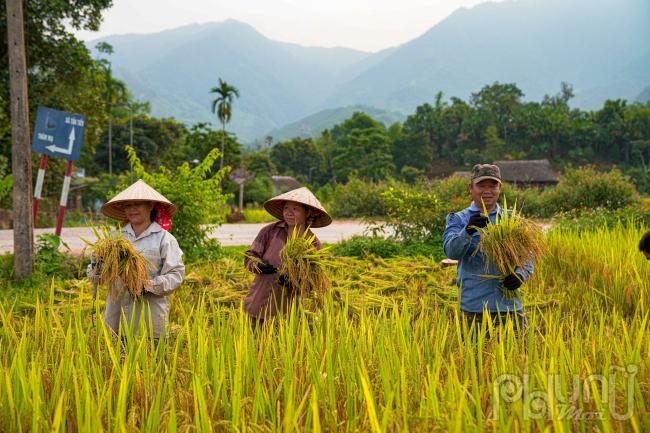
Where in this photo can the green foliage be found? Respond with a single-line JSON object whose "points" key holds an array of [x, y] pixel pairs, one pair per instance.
{"points": [[411, 174], [50, 260], [158, 141], [197, 194], [301, 158], [258, 190], [201, 139], [586, 188], [641, 179], [100, 187], [361, 148], [257, 215], [357, 199], [412, 214], [6, 183], [61, 72], [259, 163]]}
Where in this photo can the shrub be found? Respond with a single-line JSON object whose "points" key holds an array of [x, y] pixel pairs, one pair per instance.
{"points": [[641, 179], [257, 190], [412, 214], [586, 188], [358, 198], [198, 195], [49, 260]]}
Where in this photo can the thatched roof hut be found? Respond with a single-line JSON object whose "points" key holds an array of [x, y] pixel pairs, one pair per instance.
{"points": [[285, 183], [536, 172]]}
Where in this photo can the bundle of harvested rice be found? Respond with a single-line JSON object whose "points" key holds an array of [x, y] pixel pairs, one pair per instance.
{"points": [[119, 264], [303, 264], [510, 243]]}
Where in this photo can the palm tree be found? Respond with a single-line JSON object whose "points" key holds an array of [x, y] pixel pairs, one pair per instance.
{"points": [[223, 106]]}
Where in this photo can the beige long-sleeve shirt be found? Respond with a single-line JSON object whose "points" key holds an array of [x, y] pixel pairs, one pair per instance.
{"points": [[166, 273]]}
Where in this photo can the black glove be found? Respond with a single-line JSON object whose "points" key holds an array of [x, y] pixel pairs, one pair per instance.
{"points": [[476, 221], [511, 282], [266, 268], [283, 280]]}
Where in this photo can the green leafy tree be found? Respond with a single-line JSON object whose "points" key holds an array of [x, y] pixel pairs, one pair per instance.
{"points": [[497, 105], [300, 157], [222, 106], [61, 73], [201, 139], [361, 146], [198, 195], [158, 141]]}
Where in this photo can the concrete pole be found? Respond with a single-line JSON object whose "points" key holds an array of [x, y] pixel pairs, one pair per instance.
{"points": [[21, 152]]}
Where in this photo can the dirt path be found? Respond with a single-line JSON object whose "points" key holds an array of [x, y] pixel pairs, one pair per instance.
{"points": [[227, 234]]}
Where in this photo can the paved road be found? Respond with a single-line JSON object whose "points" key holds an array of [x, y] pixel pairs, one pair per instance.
{"points": [[228, 234]]}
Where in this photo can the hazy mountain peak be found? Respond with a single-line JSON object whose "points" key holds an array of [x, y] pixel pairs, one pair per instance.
{"points": [[599, 46]]}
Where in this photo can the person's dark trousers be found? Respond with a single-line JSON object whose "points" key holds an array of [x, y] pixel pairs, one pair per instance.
{"points": [[474, 321]]}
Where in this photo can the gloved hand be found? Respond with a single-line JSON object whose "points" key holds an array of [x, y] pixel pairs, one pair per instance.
{"points": [[476, 221], [95, 272], [283, 280], [511, 282], [265, 267]]}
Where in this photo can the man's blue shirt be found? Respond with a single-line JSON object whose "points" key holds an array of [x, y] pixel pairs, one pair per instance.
{"points": [[476, 291]]}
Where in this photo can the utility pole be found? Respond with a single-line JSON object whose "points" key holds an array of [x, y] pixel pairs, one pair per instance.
{"points": [[21, 153]]}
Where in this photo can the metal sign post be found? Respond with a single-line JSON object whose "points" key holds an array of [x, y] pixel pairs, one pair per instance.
{"points": [[59, 134], [64, 198], [39, 185]]}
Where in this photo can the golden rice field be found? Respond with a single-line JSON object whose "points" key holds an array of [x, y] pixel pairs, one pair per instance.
{"points": [[385, 354]]}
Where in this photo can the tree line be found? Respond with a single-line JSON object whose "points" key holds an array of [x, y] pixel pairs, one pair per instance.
{"points": [[495, 123], [439, 137]]}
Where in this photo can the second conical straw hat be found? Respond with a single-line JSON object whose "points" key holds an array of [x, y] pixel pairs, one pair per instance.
{"points": [[319, 218]]}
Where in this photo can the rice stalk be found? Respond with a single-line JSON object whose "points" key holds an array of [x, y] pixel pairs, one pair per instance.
{"points": [[304, 265], [509, 243], [119, 264]]}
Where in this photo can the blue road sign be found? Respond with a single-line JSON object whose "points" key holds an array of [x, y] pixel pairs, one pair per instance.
{"points": [[58, 133]]}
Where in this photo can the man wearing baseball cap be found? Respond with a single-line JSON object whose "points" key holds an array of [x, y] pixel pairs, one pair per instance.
{"points": [[480, 294]]}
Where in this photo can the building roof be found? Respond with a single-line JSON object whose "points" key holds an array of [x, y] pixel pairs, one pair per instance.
{"points": [[527, 171], [286, 182]]}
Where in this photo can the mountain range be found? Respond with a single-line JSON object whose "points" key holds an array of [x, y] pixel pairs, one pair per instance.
{"points": [[601, 47]]}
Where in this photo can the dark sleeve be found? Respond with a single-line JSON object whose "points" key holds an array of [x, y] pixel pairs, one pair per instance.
{"points": [[257, 249]]}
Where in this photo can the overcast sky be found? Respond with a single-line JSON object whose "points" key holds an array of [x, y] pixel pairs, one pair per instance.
{"points": [[368, 25]]}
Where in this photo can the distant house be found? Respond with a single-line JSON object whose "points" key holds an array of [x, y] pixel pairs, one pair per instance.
{"points": [[534, 172], [462, 174], [285, 183]]}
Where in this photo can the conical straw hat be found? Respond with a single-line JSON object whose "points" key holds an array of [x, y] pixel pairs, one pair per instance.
{"points": [[319, 218], [139, 191]]}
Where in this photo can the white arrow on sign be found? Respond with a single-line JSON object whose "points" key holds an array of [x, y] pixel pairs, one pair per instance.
{"points": [[68, 151]]}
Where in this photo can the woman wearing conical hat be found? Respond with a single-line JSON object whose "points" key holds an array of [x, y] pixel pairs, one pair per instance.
{"points": [[268, 293], [147, 215]]}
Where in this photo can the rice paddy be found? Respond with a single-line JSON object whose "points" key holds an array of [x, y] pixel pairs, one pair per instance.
{"points": [[386, 352]]}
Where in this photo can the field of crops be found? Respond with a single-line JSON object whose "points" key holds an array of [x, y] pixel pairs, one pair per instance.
{"points": [[385, 353]]}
